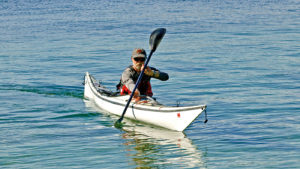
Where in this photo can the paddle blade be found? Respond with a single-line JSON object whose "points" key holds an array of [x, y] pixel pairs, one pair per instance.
{"points": [[118, 124], [155, 38]]}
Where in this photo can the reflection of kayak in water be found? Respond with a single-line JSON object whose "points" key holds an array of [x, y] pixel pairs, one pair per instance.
{"points": [[150, 146], [176, 148], [158, 135], [147, 111]]}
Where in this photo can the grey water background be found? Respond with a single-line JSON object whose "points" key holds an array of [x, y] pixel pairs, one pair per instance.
{"points": [[241, 58]]}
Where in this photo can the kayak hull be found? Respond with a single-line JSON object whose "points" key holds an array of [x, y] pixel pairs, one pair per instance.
{"points": [[173, 118]]}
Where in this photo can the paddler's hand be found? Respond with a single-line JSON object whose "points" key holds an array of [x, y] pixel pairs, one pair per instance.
{"points": [[137, 95], [148, 71]]}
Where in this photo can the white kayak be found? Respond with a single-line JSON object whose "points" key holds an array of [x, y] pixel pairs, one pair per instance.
{"points": [[148, 110]]}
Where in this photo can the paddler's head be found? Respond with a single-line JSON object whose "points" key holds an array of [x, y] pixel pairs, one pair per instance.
{"points": [[138, 58]]}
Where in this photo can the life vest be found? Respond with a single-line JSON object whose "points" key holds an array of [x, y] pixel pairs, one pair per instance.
{"points": [[144, 86]]}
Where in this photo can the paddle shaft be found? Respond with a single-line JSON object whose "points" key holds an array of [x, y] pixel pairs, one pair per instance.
{"points": [[136, 85]]}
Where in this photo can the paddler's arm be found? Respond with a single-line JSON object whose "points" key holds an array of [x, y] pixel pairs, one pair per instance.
{"points": [[127, 79], [129, 83], [152, 72]]}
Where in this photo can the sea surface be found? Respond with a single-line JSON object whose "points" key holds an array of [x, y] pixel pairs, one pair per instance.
{"points": [[239, 57]]}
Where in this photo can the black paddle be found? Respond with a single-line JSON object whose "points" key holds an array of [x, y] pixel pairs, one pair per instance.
{"points": [[155, 38]]}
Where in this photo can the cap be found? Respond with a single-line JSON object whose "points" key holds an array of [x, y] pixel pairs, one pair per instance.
{"points": [[139, 53]]}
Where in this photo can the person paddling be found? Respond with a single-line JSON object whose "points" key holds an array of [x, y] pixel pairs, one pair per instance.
{"points": [[131, 73]]}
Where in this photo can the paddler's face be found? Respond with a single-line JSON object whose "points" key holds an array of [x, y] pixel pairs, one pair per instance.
{"points": [[138, 63]]}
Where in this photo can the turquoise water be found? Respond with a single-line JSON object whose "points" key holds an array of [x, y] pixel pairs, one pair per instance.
{"points": [[241, 58]]}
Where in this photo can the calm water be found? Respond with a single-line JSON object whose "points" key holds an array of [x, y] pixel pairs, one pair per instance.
{"points": [[241, 58]]}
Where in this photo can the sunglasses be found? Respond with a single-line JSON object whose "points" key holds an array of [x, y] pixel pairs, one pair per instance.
{"points": [[139, 59]]}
